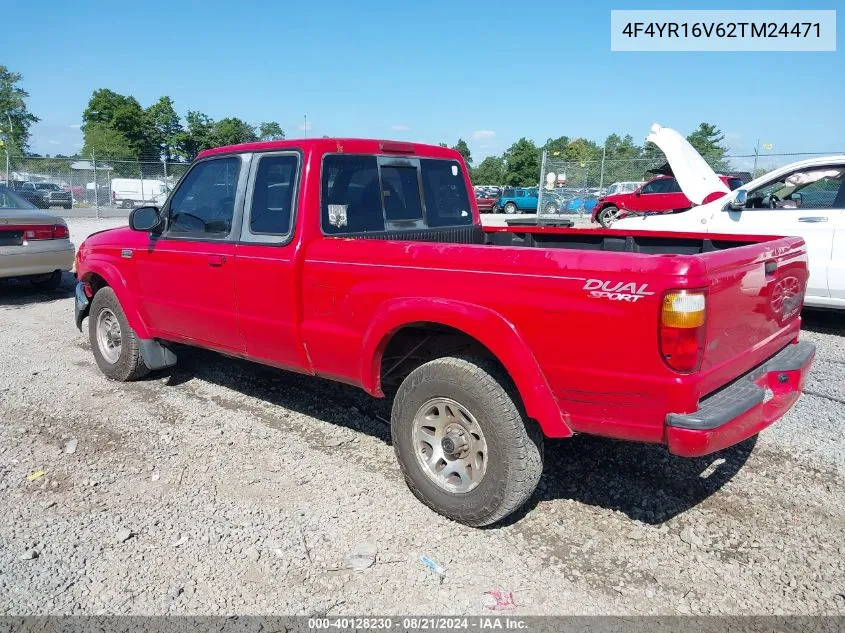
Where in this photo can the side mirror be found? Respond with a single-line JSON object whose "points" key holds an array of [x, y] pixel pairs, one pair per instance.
{"points": [[738, 201], [145, 219]]}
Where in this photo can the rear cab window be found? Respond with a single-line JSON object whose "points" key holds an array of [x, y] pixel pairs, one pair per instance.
{"points": [[370, 194]]}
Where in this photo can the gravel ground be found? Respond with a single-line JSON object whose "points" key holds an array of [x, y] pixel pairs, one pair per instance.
{"points": [[229, 488]]}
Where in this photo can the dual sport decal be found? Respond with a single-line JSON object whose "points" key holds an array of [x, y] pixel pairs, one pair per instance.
{"points": [[616, 290]]}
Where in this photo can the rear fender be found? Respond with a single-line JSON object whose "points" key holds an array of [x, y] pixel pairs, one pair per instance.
{"points": [[117, 283], [484, 325]]}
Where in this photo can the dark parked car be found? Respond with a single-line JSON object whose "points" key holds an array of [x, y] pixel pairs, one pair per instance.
{"points": [[44, 194], [487, 203]]}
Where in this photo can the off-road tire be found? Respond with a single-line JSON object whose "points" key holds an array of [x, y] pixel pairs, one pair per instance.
{"points": [[511, 208], [130, 365], [514, 443]]}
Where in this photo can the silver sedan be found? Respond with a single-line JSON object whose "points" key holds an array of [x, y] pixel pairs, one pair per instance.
{"points": [[34, 245]]}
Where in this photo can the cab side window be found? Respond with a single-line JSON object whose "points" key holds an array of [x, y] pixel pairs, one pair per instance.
{"points": [[272, 195], [204, 203]]}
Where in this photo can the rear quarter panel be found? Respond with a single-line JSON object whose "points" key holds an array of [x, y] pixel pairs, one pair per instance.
{"points": [[596, 355]]}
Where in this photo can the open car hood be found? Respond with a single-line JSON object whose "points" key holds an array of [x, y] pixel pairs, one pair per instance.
{"points": [[693, 174]]}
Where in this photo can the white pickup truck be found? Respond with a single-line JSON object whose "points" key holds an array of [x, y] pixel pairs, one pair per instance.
{"points": [[805, 199]]}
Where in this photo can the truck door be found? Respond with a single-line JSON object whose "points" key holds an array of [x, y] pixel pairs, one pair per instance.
{"points": [[808, 203], [265, 273], [185, 277]]}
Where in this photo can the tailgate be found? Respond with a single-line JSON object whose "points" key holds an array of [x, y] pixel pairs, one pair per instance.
{"points": [[755, 295]]}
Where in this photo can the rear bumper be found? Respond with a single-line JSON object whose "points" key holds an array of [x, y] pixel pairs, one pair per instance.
{"points": [[38, 258], [743, 407]]}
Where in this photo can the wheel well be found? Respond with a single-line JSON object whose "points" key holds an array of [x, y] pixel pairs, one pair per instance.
{"points": [[418, 343], [96, 282]]}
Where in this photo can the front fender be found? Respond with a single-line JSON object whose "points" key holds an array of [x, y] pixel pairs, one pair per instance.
{"points": [[597, 209], [484, 325], [117, 283]]}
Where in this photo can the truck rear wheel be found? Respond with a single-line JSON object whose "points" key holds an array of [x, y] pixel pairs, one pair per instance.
{"points": [[113, 342], [465, 446]]}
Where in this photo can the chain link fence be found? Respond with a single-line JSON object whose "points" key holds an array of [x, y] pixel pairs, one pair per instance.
{"points": [[98, 184], [573, 187], [102, 184]]}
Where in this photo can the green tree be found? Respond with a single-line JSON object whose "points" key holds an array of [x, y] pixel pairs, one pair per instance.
{"points": [[491, 171], [104, 141], [707, 139], [271, 131], [124, 115], [13, 106], [165, 126], [232, 130], [581, 150], [556, 147], [623, 159], [463, 149], [617, 147], [522, 163], [197, 135]]}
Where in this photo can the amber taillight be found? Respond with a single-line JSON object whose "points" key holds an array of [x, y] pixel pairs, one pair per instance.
{"points": [[682, 329]]}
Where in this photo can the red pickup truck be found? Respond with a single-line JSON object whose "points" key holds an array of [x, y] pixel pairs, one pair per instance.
{"points": [[365, 262]]}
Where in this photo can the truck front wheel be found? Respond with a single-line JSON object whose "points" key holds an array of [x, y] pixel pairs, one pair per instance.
{"points": [[465, 446], [113, 341]]}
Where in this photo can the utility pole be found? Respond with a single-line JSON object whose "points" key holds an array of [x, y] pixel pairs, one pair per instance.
{"points": [[8, 141], [96, 190], [756, 155], [603, 153]]}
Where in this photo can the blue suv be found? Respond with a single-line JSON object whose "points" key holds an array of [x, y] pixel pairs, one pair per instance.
{"points": [[524, 200]]}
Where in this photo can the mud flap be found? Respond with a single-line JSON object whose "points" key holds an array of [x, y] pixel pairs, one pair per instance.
{"points": [[155, 355]]}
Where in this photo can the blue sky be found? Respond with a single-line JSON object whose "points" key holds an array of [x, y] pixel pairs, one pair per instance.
{"points": [[429, 71]]}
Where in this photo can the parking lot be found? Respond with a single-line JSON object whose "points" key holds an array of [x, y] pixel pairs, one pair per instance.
{"points": [[131, 498]]}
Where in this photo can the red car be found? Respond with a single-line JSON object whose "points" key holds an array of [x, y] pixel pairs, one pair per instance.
{"points": [[486, 203], [365, 262], [661, 194]]}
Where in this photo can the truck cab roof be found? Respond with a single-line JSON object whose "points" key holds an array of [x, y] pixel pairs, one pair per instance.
{"points": [[340, 145]]}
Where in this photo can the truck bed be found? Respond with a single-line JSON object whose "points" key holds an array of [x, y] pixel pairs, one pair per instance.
{"points": [[645, 242]]}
